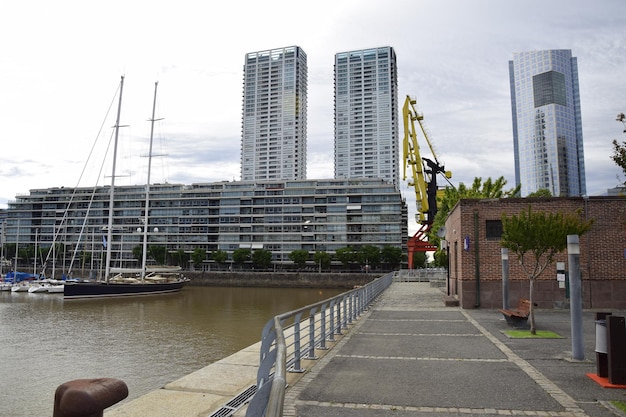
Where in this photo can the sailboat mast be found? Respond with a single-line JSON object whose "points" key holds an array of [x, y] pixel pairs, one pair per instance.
{"points": [[112, 191], [147, 207]]}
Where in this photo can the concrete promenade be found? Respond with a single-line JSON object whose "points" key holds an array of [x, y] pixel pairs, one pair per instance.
{"points": [[409, 355]]}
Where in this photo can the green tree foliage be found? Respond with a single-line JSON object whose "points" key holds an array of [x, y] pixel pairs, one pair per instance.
{"points": [[154, 252], [346, 255], [299, 257], [158, 253], [262, 258], [391, 255], [441, 259], [182, 258], [322, 259], [619, 155], [479, 189], [369, 255], [542, 192], [219, 256], [198, 256], [419, 259], [535, 237], [241, 256], [138, 252]]}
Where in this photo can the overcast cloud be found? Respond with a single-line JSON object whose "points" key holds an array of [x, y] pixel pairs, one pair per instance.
{"points": [[61, 62]]}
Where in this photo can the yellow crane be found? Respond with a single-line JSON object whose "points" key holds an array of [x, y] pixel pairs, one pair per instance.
{"points": [[423, 178]]}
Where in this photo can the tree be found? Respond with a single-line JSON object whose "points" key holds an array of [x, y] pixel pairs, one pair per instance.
{"points": [[419, 259], [299, 257], [346, 255], [158, 253], [542, 192], [391, 256], [182, 257], [619, 149], [241, 256], [322, 259], [219, 256], [441, 259], [479, 189], [369, 256], [198, 256], [535, 238], [619, 155], [261, 258]]}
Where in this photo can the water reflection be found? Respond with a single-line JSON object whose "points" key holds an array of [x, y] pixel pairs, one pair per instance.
{"points": [[145, 341]]}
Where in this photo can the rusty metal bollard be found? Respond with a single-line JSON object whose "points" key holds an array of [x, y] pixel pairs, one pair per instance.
{"points": [[88, 397]]}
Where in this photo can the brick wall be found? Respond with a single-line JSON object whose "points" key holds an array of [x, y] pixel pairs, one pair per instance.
{"points": [[475, 260]]}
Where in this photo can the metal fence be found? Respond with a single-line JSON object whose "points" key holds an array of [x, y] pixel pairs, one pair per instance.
{"points": [[436, 275], [289, 338]]}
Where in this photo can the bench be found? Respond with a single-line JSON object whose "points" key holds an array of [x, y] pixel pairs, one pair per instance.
{"points": [[517, 317]]}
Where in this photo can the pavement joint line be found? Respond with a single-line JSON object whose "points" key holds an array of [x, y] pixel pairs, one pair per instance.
{"points": [[424, 334], [554, 391], [439, 410], [421, 358], [422, 320], [292, 394]]}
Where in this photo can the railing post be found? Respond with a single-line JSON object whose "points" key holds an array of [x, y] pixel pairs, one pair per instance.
{"points": [[338, 325], [311, 354], [350, 299], [345, 313], [322, 345], [331, 321], [297, 354]]}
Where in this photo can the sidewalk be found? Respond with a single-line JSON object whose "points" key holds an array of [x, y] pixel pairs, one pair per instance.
{"points": [[412, 356]]}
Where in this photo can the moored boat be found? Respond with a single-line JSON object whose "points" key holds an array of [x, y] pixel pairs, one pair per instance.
{"points": [[120, 285]]}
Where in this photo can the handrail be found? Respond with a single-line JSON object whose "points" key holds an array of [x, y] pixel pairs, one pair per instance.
{"points": [[289, 337]]}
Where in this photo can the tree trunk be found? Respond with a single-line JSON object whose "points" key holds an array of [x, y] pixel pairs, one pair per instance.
{"points": [[531, 316]]}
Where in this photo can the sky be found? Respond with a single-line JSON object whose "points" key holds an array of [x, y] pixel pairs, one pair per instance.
{"points": [[61, 62]]}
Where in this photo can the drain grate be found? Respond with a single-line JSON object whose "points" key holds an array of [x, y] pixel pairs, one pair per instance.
{"points": [[236, 403]]}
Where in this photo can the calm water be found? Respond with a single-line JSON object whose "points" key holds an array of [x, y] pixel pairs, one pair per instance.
{"points": [[144, 341]]}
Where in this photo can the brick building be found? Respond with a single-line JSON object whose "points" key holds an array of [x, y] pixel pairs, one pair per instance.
{"points": [[473, 231]]}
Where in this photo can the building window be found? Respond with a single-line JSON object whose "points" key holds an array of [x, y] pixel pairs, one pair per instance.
{"points": [[493, 229], [549, 88]]}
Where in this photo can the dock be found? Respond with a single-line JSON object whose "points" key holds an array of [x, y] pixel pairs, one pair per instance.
{"points": [[412, 354]]}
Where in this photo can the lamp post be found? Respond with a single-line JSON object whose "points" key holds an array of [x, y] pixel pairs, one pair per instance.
{"points": [[505, 278], [144, 255]]}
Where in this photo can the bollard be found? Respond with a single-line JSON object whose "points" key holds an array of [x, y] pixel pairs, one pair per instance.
{"points": [[88, 397]]}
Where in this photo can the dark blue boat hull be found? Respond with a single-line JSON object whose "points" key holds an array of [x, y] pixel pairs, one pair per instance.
{"points": [[102, 289]]}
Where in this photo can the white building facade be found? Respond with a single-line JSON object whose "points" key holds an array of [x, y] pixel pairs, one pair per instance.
{"points": [[278, 216], [274, 122], [366, 115]]}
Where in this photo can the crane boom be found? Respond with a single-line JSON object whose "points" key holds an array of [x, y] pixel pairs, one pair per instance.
{"points": [[423, 178]]}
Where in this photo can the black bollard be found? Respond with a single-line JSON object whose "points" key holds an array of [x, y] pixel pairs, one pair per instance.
{"points": [[88, 397]]}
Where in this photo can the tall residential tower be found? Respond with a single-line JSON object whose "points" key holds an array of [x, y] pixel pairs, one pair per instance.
{"points": [[547, 126], [273, 145], [366, 115]]}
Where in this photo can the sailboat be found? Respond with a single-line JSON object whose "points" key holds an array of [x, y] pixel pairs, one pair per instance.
{"points": [[149, 282]]}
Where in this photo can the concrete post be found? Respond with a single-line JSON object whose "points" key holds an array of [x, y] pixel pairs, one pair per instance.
{"points": [[505, 278], [573, 257]]}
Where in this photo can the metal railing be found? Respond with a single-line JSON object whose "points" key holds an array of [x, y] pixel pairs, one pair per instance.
{"points": [[290, 337]]}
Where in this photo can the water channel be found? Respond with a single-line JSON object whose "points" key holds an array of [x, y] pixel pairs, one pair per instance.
{"points": [[144, 341]]}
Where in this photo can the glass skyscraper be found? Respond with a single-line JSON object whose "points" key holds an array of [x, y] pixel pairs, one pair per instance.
{"points": [[274, 121], [547, 126], [366, 115]]}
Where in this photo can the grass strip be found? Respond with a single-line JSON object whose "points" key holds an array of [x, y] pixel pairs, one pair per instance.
{"points": [[620, 405], [525, 334]]}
